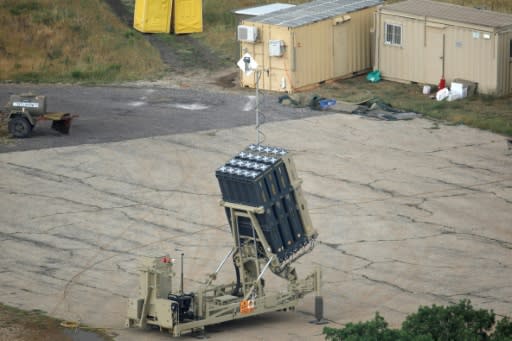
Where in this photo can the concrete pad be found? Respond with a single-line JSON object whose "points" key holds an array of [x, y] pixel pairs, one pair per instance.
{"points": [[409, 213]]}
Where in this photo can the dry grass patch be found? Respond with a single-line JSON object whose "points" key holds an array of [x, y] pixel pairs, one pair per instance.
{"points": [[480, 111], [70, 40]]}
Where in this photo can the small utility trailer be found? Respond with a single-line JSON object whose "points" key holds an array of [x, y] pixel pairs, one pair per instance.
{"points": [[26, 110]]}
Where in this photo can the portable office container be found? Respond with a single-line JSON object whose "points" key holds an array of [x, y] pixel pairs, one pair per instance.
{"points": [[423, 40], [302, 46]]}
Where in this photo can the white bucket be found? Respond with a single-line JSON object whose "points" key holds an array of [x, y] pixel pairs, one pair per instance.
{"points": [[426, 89]]}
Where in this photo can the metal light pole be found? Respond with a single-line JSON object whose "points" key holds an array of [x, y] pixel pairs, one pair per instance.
{"points": [[258, 75], [248, 65]]}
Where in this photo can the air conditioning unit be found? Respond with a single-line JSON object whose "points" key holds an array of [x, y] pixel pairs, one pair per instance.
{"points": [[247, 33], [275, 48]]}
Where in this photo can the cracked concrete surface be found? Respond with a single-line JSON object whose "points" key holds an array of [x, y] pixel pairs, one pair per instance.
{"points": [[407, 214]]}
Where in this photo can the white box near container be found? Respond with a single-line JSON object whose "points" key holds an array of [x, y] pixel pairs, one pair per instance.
{"points": [[459, 89]]}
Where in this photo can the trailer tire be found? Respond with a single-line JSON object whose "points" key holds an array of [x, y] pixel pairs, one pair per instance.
{"points": [[19, 127]]}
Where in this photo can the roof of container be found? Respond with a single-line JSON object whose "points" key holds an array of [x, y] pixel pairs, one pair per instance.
{"points": [[265, 9], [457, 13], [314, 11]]}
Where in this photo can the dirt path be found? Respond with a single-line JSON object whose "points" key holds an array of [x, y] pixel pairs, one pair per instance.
{"points": [[195, 65]]}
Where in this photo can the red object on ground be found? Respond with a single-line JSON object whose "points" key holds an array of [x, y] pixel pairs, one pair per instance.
{"points": [[442, 83]]}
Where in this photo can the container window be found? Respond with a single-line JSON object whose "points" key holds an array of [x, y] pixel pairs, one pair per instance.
{"points": [[393, 34]]}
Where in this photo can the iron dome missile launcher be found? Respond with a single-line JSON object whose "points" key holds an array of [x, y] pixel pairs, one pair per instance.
{"points": [[271, 228]]}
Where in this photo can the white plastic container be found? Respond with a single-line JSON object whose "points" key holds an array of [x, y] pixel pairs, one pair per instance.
{"points": [[442, 94]]}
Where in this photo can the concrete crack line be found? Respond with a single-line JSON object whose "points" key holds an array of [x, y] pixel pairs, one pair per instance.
{"points": [[174, 141], [394, 240], [445, 229], [418, 206], [502, 243], [86, 211], [93, 245], [485, 297], [38, 274], [93, 262], [452, 230], [508, 201], [419, 195], [461, 147], [336, 248], [53, 247], [38, 243], [467, 166], [332, 268], [43, 232], [35, 172], [41, 173], [159, 190], [323, 197], [26, 194], [143, 221], [389, 284]]}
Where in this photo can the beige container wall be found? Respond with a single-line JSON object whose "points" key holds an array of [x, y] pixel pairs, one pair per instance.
{"points": [[313, 53], [405, 62], [352, 43], [276, 72], [471, 58], [467, 54]]}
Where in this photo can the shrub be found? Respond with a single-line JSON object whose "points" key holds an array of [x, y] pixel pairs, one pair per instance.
{"points": [[455, 322], [436, 323]]}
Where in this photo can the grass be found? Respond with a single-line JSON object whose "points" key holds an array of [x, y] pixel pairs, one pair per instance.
{"points": [[480, 111], [17, 324], [494, 5], [71, 41]]}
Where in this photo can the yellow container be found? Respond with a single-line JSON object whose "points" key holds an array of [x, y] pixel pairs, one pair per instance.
{"points": [[152, 16], [188, 16]]}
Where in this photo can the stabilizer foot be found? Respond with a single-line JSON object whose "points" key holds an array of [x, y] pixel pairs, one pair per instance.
{"points": [[319, 311]]}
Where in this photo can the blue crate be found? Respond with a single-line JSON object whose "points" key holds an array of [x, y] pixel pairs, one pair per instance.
{"points": [[326, 103]]}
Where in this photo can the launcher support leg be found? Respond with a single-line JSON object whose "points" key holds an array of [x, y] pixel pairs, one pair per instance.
{"points": [[319, 300]]}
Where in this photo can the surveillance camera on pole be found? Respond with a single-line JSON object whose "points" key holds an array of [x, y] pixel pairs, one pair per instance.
{"points": [[247, 64]]}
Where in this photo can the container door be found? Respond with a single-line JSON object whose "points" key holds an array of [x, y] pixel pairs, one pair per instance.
{"points": [[510, 66], [434, 55], [152, 16], [510, 76], [188, 16], [340, 50]]}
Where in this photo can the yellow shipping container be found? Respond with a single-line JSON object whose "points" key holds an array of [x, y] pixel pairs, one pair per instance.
{"points": [[152, 16], [188, 16]]}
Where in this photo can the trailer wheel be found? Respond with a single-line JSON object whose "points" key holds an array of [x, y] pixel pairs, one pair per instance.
{"points": [[19, 127]]}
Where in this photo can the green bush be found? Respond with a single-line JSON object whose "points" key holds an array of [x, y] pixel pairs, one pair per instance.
{"points": [[373, 330], [455, 322], [459, 322]]}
